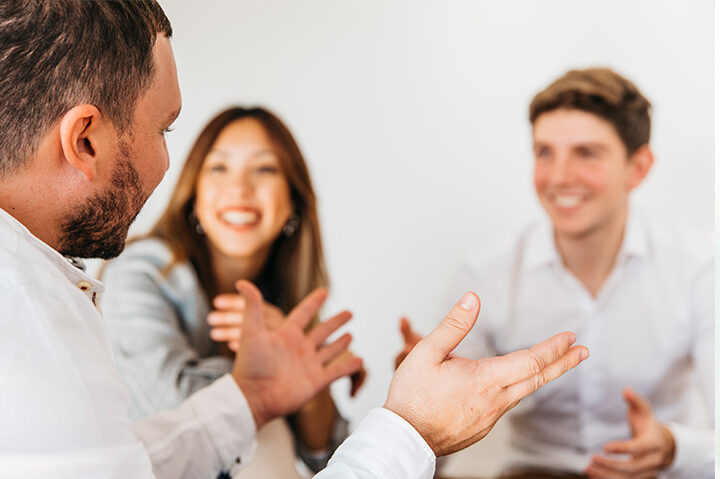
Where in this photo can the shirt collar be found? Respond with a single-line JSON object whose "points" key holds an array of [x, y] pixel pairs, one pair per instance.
{"points": [[541, 250], [16, 238], [635, 242]]}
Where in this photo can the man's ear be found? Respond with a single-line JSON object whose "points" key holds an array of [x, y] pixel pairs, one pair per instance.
{"points": [[85, 136], [640, 163]]}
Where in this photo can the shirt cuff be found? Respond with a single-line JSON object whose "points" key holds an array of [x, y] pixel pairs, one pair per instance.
{"points": [[228, 421], [385, 445], [694, 452]]}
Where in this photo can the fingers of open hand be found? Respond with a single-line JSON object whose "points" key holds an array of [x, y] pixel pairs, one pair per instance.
{"points": [[254, 305], [225, 334], [637, 446], [334, 349], [646, 465], [521, 365], [233, 302], [225, 318], [302, 314], [234, 345], [410, 337], [323, 330], [345, 367], [456, 325], [637, 403], [357, 380], [544, 371]]}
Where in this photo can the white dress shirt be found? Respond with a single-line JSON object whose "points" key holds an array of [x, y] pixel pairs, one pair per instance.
{"points": [[650, 328], [64, 407]]}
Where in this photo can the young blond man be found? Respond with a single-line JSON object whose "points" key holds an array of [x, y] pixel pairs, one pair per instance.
{"points": [[637, 289]]}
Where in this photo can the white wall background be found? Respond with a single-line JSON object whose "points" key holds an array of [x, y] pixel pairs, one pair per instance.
{"points": [[412, 115]]}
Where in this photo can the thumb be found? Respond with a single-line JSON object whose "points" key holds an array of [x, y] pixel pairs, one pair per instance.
{"points": [[636, 403], [254, 309], [639, 411], [456, 325]]}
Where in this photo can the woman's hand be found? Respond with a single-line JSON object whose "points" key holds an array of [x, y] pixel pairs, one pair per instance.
{"points": [[356, 379], [229, 314], [410, 338]]}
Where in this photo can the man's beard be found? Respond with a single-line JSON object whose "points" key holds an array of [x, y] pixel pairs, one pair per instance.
{"points": [[99, 228]]}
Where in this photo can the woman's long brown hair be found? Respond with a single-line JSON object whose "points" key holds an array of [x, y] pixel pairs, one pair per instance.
{"points": [[296, 264]]}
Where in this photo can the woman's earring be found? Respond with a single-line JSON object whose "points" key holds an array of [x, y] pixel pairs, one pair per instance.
{"points": [[291, 226], [193, 219]]}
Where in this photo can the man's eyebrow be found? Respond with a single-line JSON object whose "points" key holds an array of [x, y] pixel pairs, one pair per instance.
{"points": [[591, 144]]}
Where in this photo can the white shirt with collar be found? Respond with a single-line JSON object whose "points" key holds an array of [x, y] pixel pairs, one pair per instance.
{"points": [[650, 328], [64, 407]]}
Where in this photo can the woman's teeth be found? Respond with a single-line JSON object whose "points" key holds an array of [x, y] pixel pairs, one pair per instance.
{"points": [[239, 218]]}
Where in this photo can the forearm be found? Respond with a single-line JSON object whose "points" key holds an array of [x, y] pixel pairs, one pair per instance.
{"points": [[161, 381], [314, 422], [211, 432]]}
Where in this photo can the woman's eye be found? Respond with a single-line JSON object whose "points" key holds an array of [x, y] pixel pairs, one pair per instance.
{"points": [[217, 168], [268, 169]]}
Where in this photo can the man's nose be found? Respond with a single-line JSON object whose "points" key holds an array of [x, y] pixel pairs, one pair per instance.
{"points": [[561, 171]]}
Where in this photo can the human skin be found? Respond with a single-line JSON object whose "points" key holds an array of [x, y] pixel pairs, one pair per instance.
{"points": [[75, 161], [243, 202], [583, 177]]}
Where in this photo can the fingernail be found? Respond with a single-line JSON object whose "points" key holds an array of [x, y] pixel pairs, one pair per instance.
{"points": [[468, 302], [584, 354], [572, 338]]}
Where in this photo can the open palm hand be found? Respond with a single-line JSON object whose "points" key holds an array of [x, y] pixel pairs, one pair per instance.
{"points": [[280, 370]]}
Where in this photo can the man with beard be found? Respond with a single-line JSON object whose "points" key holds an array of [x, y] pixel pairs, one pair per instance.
{"points": [[87, 93], [98, 228]]}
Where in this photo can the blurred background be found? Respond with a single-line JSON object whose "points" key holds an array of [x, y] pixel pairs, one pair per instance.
{"points": [[412, 116]]}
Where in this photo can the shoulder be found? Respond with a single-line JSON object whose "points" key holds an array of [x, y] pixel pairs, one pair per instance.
{"points": [[152, 250], [148, 260], [24, 269], [13, 271], [676, 246]]}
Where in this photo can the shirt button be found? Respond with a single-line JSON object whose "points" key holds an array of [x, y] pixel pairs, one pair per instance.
{"points": [[84, 286]]}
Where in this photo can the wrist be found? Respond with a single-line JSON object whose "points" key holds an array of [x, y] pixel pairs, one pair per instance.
{"points": [[254, 403], [669, 450], [407, 417]]}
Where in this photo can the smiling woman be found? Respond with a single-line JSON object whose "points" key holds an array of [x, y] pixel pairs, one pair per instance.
{"points": [[243, 208]]}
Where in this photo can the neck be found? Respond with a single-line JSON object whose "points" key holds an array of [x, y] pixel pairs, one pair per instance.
{"points": [[32, 205], [228, 270], [591, 256]]}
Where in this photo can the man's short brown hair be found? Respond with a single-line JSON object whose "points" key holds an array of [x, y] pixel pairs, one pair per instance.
{"points": [[602, 92], [56, 54]]}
